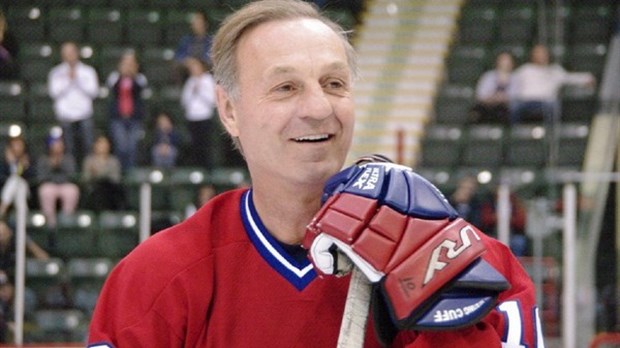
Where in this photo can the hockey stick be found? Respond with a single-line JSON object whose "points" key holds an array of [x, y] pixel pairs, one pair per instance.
{"points": [[355, 317]]}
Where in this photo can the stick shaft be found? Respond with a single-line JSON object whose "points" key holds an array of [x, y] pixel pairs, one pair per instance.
{"points": [[353, 326]]}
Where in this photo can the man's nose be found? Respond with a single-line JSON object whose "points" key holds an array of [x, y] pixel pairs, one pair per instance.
{"points": [[315, 103]]}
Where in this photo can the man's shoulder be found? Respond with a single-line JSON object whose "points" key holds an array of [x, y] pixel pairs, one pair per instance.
{"points": [[499, 255], [192, 240]]}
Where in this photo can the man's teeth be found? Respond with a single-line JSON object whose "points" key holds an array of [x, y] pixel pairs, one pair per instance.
{"points": [[313, 137]]}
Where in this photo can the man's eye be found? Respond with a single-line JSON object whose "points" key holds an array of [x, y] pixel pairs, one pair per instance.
{"points": [[285, 88], [335, 84]]}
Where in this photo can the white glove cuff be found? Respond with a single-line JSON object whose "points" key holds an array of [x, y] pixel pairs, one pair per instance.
{"points": [[324, 260]]}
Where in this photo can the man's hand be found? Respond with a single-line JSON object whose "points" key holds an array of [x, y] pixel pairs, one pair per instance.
{"points": [[401, 232]]}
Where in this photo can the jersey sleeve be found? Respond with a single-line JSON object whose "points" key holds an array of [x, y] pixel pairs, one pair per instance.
{"points": [[122, 317], [516, 317], [147, 300], [513, 323]]}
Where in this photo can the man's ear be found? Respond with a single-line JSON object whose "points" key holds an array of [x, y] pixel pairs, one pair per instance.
{"points": [[226, 111]]}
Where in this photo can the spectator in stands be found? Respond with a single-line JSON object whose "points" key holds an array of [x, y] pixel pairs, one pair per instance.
{"points": [[73, 86], [15, 170], [101, 177], [9, 65], [196, 44], [7, 250], [492, 91], [203, 195], [57, 175], [6, 306], [466, 201], [198, 100], [127, 109], [536, 86], [166, 142], [488, 217], [7, 273]]}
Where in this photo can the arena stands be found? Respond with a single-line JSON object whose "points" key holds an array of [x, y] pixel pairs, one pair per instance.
{"points": [[524, 155], [85, 246], [487, 27]]}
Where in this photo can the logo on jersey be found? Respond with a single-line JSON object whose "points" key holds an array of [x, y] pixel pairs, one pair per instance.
{"points": [[368, 180], [452, 250]]}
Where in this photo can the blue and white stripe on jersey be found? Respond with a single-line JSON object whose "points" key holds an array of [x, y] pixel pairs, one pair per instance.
{"points": [[299, 274]]}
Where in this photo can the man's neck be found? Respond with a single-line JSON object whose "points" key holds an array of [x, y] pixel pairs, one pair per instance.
{"points": [[286, 211]]}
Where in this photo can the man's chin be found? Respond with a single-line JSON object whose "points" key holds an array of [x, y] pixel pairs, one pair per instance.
{"points": [[323, 170]]}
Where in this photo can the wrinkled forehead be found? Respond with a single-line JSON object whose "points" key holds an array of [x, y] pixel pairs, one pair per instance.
{"points": [[275, 42]]}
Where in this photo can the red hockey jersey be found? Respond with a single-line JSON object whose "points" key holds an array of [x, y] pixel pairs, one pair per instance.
{"points": [[219, 279]]}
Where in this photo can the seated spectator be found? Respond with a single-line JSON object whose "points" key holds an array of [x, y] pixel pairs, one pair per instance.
{"points": [[166, 142], [7, 291], [203, 195], [7, 273], [466, 201], [198, 101], [9, 66], [536, 85], [15, 170], [7, 249], [56, 175], [492, 92], [101, 177], [488, 217], [127, 109], [195, 44]]}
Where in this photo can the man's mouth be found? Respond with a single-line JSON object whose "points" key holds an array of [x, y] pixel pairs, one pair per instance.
{"points": [[313, 138]]}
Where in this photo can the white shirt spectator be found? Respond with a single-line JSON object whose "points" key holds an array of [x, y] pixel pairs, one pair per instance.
{"points": [[198, 97], [535, 82], [73, 98]]}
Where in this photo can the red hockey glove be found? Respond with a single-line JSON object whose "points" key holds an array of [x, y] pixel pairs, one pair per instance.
{"points": [[401, 232]]}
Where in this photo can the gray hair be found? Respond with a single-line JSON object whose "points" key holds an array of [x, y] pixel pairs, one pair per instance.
{"points": [[226, 40]]}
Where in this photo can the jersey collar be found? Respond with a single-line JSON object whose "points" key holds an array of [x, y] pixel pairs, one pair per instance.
{"points": [[299, 274]]}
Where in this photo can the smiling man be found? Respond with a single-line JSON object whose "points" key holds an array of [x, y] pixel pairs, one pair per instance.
{"points": [[235, 273]]}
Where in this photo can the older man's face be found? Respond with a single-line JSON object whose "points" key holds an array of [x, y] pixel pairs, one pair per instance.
{"points": [[295, 114]]}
